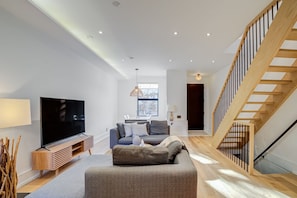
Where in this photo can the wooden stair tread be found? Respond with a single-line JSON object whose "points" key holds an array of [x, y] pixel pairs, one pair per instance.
{"points": [[282, 68], [263, 102], [247, 118], [267, 92], [233, 139], [287, 53], [253, 111], [280, 82], [292, 35]]}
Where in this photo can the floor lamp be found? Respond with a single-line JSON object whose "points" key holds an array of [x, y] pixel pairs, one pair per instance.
{"points": [[13, 112]]}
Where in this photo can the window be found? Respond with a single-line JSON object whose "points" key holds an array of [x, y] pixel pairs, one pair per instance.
{"points": [[148, 104]]}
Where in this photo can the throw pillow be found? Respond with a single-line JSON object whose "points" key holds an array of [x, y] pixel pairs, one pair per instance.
{"points": [[159, 127], [128, 130], [139, 130], [137, 155], [170, 139], [121, 129], [174, 148]]}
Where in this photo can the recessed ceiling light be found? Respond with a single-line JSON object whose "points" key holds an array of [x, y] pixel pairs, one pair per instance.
{"points": [[170, 60], [208, 34], [100, 32], [213, 61], [175, 33], [191, 60]]}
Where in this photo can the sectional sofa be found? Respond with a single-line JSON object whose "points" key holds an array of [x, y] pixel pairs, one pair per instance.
{"points": [[134, 178], [152, 132]]}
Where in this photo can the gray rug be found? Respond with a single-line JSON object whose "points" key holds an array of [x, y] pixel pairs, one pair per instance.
{"points": [[22, 195], [71, 183]]}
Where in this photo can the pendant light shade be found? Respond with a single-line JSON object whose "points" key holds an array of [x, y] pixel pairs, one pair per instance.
{"points": [[136, 91], [198, 76]]}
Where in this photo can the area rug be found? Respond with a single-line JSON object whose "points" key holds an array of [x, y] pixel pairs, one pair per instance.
{"points": [[71, 183], [22, 195]]}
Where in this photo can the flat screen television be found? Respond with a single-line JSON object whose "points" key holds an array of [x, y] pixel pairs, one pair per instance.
{"points": [[60, 119]]}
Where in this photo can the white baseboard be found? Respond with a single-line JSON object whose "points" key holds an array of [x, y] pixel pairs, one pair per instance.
{"points": [[288, 165], [27, 176], [101, 137]]}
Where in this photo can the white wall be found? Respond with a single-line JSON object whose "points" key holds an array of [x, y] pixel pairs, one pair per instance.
{"points": [[128, 104], [216, 83], [177, 91], [35, 64], [284, 152]]}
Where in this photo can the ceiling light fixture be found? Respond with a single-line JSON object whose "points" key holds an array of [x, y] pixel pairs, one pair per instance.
{"points": [[175, 33], [198, 76], [100, 32], [208, 34], [136, 91]]}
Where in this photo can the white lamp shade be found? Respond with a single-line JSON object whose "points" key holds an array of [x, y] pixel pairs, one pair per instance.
{"points": [[14, 112], [171, 108]]}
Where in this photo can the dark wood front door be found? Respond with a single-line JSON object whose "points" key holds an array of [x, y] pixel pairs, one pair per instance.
{"points": [[195, 106]]}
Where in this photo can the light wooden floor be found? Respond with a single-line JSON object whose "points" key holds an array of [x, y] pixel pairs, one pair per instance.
{"points": [[217, 176]]}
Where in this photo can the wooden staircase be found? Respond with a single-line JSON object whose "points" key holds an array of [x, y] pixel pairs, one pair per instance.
{"points": [[269, 76]]}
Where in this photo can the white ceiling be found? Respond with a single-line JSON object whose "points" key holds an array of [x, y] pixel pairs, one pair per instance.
{"points": [[140, 33]]}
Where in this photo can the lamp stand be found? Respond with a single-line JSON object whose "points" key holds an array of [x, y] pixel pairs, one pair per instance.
{"points": [[171, 117]]}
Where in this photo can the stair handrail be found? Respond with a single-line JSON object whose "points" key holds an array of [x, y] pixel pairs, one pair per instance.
{"points": [[275, 141], [235, 76]]}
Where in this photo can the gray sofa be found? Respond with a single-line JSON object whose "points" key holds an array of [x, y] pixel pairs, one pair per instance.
{"points": [[157, 131], [177, 180], [97, 176]]}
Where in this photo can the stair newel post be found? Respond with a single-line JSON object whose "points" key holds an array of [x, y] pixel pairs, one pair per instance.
{"points": [[251, 147]]}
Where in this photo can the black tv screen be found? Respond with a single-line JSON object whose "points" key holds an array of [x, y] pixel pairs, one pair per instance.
{"points": [[60, 119]]}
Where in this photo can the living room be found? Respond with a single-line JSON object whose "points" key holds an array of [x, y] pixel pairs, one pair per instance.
{"points": [[39, 63]]}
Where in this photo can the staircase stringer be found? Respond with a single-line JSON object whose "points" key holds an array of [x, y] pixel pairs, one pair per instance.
{"points": [[277, 33]]}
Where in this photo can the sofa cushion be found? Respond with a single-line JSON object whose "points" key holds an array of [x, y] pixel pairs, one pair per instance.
{"points": [[154, 139], [137, 155], [159, 127], [128, 130], [121, 129], [139, 130], [126, 140], [151, 139], [174, 148]]}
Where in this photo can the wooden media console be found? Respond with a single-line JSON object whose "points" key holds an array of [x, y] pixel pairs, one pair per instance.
{"points": [[52, 158]]}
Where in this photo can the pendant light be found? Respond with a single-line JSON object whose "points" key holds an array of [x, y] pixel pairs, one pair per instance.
{"points": [[136, 91], [198, 77]]}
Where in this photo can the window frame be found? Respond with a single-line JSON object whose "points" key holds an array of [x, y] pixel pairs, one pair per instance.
{"points": [[148, 99]]}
